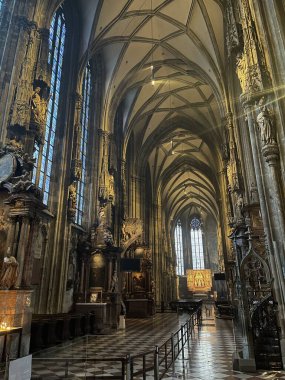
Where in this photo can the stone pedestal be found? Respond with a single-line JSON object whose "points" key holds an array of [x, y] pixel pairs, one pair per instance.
{"points": [[16, 312], [243, 365], [139, 308], [101, 312]]}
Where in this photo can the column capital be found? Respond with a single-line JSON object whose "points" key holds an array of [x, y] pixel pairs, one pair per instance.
{"points": [[44, 33], [103, 133], [78, 99], [271, 154]]}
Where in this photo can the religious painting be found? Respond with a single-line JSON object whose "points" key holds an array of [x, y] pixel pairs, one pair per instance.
{"points": [[199, 280], [96, 294], [93, 297], [138, 281]]}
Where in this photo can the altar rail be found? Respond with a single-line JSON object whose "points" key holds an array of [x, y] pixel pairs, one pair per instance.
{"points": [[158, 360]]}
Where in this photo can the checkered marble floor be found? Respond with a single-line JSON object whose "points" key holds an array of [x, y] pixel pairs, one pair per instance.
{"points": [[208, 355]]}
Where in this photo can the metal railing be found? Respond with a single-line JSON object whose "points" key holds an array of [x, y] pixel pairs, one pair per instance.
{"points": [[67, 363], [157, 361], [165, 355]]}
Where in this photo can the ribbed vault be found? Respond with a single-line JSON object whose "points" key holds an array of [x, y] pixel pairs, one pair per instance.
{"points": [[164, 65]]}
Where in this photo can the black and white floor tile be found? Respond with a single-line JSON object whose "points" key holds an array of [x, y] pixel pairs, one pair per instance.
{"points": [[207, 357]]}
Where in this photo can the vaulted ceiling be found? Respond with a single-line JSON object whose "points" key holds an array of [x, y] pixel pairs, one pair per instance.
{"points": [[165, 65]]}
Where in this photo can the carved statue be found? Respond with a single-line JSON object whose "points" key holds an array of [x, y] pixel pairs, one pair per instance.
{"points": [[131, 228], [77, 169], [72, 196], [241, 71], [102, 216], [232, 174], [76, 162], [253, 193], [108, 237], [14, 144], [239, 207], [124, 233], [114, 282], [111, 187], [9, 271], [38, 113], [37, 108], [266, 125]]}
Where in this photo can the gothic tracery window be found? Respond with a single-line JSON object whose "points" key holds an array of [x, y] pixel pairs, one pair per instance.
{"points": [[84, 120], [197, 244], [179, 249], [44, 157]]}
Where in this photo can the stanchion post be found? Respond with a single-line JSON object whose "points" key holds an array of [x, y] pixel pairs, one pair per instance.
{"points": [[66, 368], [128, 368], [156, 363], [182, 342], [173, 352], [144, 372]]}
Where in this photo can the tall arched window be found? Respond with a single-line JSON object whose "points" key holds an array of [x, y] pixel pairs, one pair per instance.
{"points": [[84, 120], [197, 244], [179, 249], [42, 172]]}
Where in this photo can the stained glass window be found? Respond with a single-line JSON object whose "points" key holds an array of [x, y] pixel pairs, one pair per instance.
{"points": [[86, 88], [197, 244], [179, 249], [44, 157]]}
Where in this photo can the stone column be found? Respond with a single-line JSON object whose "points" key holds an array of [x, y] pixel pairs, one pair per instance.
{"points": [[103, 164], [11, 235], [255, 83], [156, 268], [28, 262], [76, 164], [136, 196], [275, 257], [240, 245], [124, 189], [21, 251]]}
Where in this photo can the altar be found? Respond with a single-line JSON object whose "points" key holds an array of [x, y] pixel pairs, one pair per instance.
{"points": [[138, 285], [100, 310], [139, 308]]}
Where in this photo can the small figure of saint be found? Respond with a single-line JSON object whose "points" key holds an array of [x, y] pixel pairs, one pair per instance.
{"points": [[199, 280], [111, 187], [266, 124], [239, 207], [241, 70], [114, 282], [102, 216], [124, 233], [36, 107], [9, 271], [72, 196]]}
